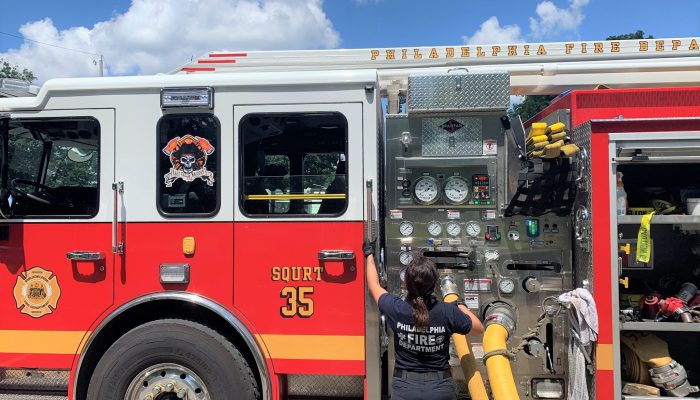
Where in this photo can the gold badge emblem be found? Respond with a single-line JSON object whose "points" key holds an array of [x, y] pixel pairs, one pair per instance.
{"points": [[37, 292]]}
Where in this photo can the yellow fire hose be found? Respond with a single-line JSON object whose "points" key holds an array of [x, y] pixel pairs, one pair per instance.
{"points": [[475, 383], [498, 365]]}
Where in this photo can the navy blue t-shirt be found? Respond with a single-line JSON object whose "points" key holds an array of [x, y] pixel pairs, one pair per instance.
{"points": [[427, 349]]}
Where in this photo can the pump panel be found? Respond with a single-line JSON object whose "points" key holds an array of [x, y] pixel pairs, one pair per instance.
{"points": [[445, 193]]}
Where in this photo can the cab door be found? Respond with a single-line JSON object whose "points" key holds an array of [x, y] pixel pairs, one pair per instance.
{"points": [[55, 235], [298, 231]]}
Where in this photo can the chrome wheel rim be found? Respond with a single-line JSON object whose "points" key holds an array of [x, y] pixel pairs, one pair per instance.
{"points": [[167, 381]]}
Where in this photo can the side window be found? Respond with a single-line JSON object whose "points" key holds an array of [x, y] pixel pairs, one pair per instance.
{"points": [[53, 167], [294, 164], [188, 164]]}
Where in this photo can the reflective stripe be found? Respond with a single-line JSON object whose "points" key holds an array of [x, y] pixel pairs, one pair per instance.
{"points": [[294, 196], [314, 347], [42, 342], [604, 356]]}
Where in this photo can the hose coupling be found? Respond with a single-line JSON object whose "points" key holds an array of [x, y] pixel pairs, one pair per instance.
{"points": [[673, 379], [500, 313], [448, 286]]}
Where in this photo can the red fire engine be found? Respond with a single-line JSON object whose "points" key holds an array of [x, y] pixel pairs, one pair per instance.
{"points": [[198, 234]]}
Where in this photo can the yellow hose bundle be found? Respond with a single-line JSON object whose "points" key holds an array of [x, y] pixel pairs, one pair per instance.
{"points": [[475, 383], [498, 366]]}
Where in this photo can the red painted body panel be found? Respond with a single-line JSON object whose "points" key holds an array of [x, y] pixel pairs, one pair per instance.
{"points": [[338, 296], [148, 245], [41, 361], [319, 367], [604, 383], [586, 105], [338, 292], [86, 288], [600, 172]]}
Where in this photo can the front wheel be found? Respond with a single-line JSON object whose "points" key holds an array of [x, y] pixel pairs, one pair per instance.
{"points": [[172, 359]]}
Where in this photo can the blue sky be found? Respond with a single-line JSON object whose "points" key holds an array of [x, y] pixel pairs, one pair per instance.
{"points": [[150, 36]]}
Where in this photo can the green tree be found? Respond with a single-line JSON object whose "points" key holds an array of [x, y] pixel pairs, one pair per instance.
{"points": [[530, 106], [8, 70], [630, 36], [536, 103]]}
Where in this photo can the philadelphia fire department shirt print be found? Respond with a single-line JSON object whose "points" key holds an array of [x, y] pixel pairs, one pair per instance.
{"points": [[188, 156]]}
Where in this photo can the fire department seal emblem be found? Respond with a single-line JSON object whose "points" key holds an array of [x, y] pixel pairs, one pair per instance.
{"points": [[188, 158], [37, 292]]}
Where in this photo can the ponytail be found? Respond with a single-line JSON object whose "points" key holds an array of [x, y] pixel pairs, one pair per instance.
{"points": [[421, 317], [421, 276]]}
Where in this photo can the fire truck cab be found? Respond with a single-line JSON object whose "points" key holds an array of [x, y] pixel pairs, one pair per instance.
{"points": [[226, 210]]}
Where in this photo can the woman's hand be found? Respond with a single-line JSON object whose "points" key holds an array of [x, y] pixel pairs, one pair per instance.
{"points": [[368, 248]]}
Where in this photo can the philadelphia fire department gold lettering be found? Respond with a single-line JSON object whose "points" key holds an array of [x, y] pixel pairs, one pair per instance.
{"points": [[529, 49], [37, 292]]}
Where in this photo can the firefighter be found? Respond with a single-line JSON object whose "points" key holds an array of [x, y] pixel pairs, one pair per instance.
{"points": [[422, 327]]}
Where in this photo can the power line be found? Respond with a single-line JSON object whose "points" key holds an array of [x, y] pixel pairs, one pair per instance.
{"points": [[99, 63], [49, 44]]}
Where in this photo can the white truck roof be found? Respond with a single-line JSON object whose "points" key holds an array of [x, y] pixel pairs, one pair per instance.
{"points": [[534, 67]]}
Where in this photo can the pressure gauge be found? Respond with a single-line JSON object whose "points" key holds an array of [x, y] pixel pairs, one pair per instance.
{"points": [[456, 190], [425, 190], [406, 228], [453, 229], [434, 228], [402, 274], [405, 257], [506, 285], [473, 228]]}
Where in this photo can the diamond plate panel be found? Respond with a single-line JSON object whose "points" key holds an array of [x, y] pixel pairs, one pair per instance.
{"points": [[31, 396], [458, 92], [325, 386], [583, 260], [459, 136], [26, 379]]}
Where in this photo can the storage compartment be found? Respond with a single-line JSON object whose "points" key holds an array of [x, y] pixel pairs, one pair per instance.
{"points": [[666, 186], [658, 299]]}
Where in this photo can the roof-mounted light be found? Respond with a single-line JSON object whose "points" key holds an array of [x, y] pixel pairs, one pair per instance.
{"points": [[187, 97]]}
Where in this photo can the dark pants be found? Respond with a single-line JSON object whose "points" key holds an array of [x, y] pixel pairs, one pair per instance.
{"points": [[423, 389]]}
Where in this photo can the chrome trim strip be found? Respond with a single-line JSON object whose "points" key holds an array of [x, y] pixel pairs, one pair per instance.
{"points": [[195, 299]]}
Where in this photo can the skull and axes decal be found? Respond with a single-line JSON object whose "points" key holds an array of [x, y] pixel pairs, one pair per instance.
{"points": [[188, 158]]}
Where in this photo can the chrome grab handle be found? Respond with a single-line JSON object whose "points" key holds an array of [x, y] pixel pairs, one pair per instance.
{"points": [[117, 247], [85, 255], [369, 210], [336, 255]]}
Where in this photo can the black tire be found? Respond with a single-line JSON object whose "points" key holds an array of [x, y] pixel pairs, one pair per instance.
{"points": [[222, 368]]}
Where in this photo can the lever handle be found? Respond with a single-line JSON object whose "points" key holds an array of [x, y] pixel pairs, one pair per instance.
{"points": [[85, 255], [336, 255]]}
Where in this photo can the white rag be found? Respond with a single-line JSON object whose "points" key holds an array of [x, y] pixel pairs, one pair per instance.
{"points": [[587, 317], [586, 312]]}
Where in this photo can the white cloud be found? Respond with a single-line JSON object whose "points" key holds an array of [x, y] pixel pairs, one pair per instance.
{"points": [[491, 31], [159, 35], [552, 19]]}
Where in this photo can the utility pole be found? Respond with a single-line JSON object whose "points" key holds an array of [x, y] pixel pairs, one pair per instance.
{"points": [[102, 65]]}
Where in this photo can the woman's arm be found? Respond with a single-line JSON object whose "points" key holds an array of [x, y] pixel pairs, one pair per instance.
{"points": [[371, 271], [477, 327]]}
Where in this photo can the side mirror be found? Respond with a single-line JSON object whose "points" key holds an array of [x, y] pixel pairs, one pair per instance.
{"points": [[78, 155]]}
